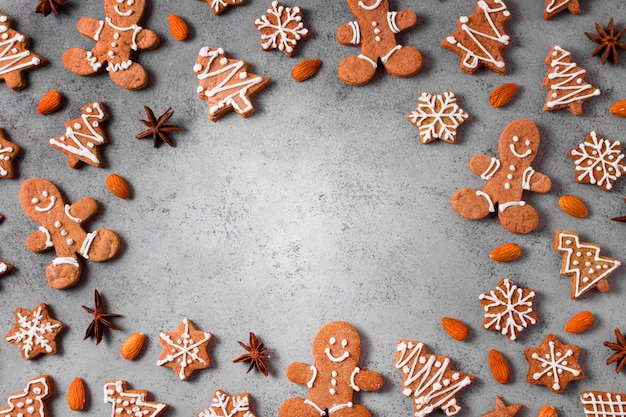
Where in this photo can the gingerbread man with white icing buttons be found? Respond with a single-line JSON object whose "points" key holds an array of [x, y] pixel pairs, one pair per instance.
{"points": [[506, 179], [375, 31], [61, 230], [334, 378], [117, 36]]}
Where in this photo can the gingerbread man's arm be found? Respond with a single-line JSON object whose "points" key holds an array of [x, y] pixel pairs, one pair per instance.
{"points": [[368, 380], [402, 20], [301, 373], [90, 27], [147, 39], [484, 166], [83, 209], [39, 241], [536, 181], [349, 34]]}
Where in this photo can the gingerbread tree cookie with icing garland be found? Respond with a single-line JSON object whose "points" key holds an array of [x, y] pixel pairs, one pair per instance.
{"points": [[30, 402], [15, 57], [554, 7]]}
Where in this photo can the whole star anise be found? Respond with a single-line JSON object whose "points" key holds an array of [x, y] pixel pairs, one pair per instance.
{"points": [[48, 6], [100, 319], [620, 350], [157, 127], [257, 353], [608, 42]]}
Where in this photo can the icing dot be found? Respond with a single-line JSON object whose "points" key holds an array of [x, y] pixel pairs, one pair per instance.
{"points": [[77, 126], [95, 124], [243, 75], [116, 36], [451, 40], [113, 45], [509, 176], [45, 194], [57, 224], [333, 373], [376, 31], [4, 35], [515, 139], [20, 404], [223, 61], [63, 232], [512, 168], [332, 391], [507, 186], [14, 51], [377, 38], [34, 201], [374, 24], [463, 19], [197, 68], [332, 341]]}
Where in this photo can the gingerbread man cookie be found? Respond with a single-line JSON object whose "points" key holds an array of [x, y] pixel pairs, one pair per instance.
{"points": [[61, 229], [334, 377], [117, 36], [375, 31], [506, 178]]}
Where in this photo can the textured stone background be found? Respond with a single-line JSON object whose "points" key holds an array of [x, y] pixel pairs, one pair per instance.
{"points": [[321, 206]]}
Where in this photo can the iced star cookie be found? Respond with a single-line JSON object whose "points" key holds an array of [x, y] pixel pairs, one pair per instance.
{"points": [[553, 364], [598, 161], [15, 57], [554, 7], [508, 308], [34, 332], [126, 402], [185, 349], [281, 28], [30, 402], [8, 153], [224, 405], [437, 117]]}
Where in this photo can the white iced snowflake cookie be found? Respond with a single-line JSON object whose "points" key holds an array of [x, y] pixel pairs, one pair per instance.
{"points": [[598, 161], [437, 117], [185, 349], [34, 332], [281, 28], [553, 364]]}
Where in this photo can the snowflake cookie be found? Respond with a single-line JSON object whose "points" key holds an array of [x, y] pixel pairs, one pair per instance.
{"points": [[127, 402], [437, 117], [424, 377], [34, 331], [281, 28], [598, 161], [553, 364], [15, 57], [508, 308], [603, 403], [8, 152], [218, 6], [185, 349], [223, 405], [557, 6], [582, 261], [30, 401]]}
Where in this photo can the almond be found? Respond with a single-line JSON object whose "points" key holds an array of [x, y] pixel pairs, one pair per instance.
{"points": [[118, 186], [580, 322], [547, 411], [456, 329], [304, 70], [573, 206], [132, 346], [49, 103], [178, 27], [499, 367], [506, 252], [502, 95], [618, 108], [76, 394]]}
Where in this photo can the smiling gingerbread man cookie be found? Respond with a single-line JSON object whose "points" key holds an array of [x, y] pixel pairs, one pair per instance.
{"points": [[61, 229], [334, 377], [117, 36], [506, 179]]}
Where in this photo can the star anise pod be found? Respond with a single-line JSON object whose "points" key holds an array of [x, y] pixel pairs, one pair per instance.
{"points": [[608, 42], [620, 350], [157, 127], [48, 6], [257, 353], [100, 319]]}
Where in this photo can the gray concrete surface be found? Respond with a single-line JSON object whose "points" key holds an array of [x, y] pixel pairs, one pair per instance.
{"points": [[321, 206]]}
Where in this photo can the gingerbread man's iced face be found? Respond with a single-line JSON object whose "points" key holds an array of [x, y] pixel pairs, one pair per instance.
{"points": [[337, 344], [359, 7], [41, 200], [124, 13], [520, 146]]}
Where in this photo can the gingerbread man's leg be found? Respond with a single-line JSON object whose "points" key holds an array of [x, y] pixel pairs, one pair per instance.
{"points": [[472, 204], [101, 245], [297, 407], [518, 217], [357, 70], [354, 411], [82, 62], [402, 61], [63, 272], [133, 77]]}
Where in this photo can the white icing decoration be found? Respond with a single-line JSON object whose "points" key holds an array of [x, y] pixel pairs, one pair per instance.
{"points": [[600, 155], [68, 214], [135, 28], [507, 307], [519, 155], [184, 351], [114, 391], [491, 170], [356, 33], [40, 408], [554, 365], [282, 37], [526, 178], [84, 249], [564, 73], [65, 261], [96, 37], [391, 21], [338, 407], [370, 60], [345, 355], [552, 6], [89, 136], [33, 330], [217, 4], [488, 198], [603, 404], [93, 61], [373, 6], [317, 407], [437, 124], [353, 384], [504, 206], [10, 57], [46, 233], [239, 406], [310, 383], [123, 14], [49, 207], [3, 267]]}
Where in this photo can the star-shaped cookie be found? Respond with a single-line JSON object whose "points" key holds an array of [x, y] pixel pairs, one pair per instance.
{"points": [[34, 331], [185, 349], [219, 6], [503, 410], [223, 405], [8, 152], [437, 117], [557, 6]]}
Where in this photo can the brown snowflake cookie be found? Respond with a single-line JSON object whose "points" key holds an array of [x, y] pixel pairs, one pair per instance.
{"points": [[424, 375], [553, 364], [30, 402], [127, 402], [224, 405], [565, 81], [8, 153], [502, 409], [117, 36], [598, 161], [554, 7], [83, 137], [437, 117], [281, 28], [603, 403], [226, 84], [15, 57], [375, 32], [506, 179], [583, 263], [508, 308], [62, 230], [219, 6], [185, 349], [480, 38], [334, 376], [34, 332]]}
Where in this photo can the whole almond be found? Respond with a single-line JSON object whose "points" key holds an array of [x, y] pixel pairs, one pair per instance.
{"points": [[49, 103], [547, 411], [76, 395], [118, 186], [455, 328], [499, 366], [618, 108], [573, 206], [178, 27], [502, 95], [304, 70], [506, 252], [580, 322], [132, 346]]}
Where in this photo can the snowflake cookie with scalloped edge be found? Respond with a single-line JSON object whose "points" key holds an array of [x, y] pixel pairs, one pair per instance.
{"points": [[437, 117], [598, 161], [224, 405], [185, 349], [281, 28], [553, 364], [34, 331]]}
